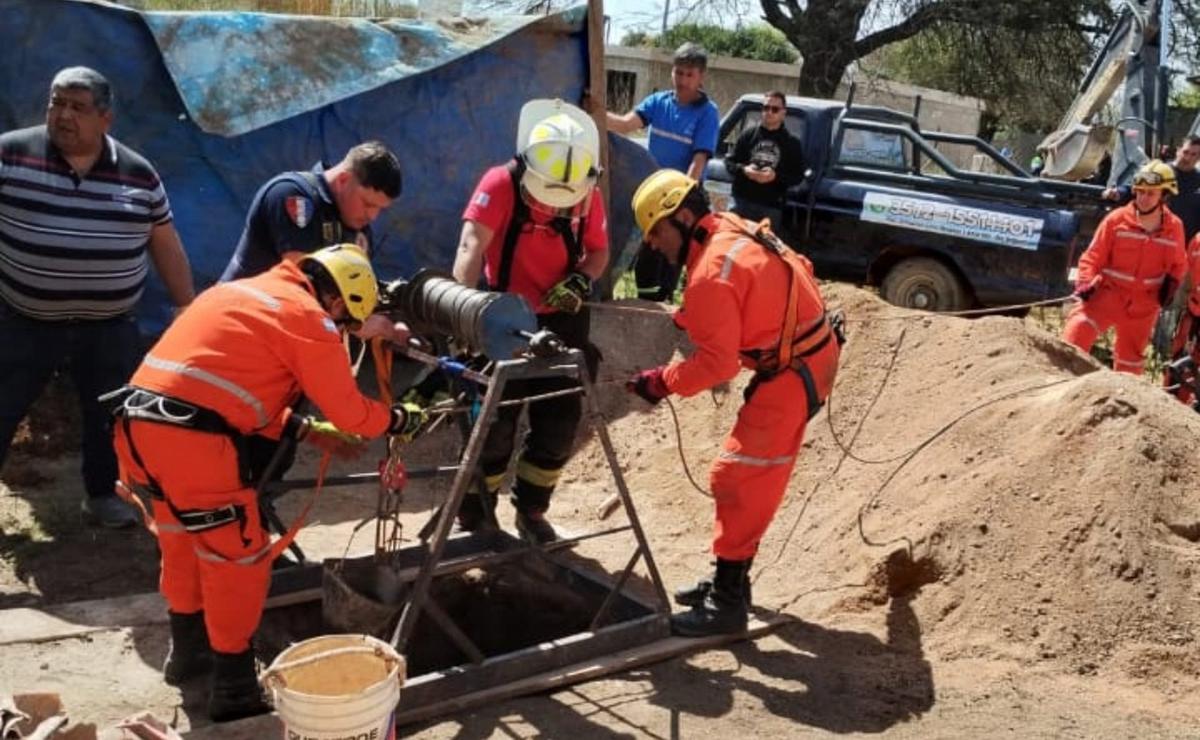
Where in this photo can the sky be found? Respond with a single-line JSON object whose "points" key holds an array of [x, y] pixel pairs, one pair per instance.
{"points": [[643, 15]]}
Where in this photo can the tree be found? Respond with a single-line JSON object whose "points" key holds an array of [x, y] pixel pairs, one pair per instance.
{"points": [[759, 42], [831, 34], [996, 65]]}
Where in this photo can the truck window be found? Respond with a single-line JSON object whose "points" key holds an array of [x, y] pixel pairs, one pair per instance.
{"points": [[873, 149]]}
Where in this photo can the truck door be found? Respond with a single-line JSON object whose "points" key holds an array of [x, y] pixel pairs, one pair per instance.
{"points": [[834, 236]]}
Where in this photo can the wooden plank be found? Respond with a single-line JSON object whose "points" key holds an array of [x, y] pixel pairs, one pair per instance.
{"points": [[255, 728]]}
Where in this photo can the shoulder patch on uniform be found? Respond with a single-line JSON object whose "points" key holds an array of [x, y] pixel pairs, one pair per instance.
{"points": [[482, 199], [330, 326], [299, 209]]}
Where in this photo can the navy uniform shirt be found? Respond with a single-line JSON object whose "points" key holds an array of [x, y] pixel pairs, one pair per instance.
{"points": [[293, 212]]}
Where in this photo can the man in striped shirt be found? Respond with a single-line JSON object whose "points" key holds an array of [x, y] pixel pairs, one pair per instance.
{"points": [[79, 213]]}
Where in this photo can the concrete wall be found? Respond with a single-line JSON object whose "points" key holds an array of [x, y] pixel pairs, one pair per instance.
{"points": [[635, 72]]}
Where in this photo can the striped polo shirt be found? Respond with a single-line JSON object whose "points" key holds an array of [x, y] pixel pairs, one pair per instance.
{"points": [[71, 247]]}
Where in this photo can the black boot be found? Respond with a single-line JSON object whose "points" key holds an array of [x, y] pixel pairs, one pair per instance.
{"points": [[235, 692], [477, 515], [694, 595], [188, 655], [533, 527], [723, 610]]}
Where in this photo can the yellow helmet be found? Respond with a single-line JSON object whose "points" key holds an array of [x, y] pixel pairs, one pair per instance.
{"points": [[1156, 175], [350, 270], [659, 196]]}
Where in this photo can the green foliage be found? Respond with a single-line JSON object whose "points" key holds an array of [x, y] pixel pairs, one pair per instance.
{"points": [[637, 38], [1189, 99], [1026, 79], [759, 42]]}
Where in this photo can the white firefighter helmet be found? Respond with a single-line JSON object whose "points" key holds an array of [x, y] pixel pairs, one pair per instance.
{"points": [[560, 146]]}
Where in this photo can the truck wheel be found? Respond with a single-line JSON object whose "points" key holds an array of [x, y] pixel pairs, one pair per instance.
{"points": [[924, 283]]}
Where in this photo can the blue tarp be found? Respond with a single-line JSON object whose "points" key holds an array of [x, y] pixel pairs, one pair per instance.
{"points": [[221, 102]]}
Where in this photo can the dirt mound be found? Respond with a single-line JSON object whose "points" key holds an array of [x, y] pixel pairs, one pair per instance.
{"points": [[1034, 507]]}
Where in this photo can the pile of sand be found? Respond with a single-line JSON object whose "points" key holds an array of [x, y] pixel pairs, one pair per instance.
{"points": [[1034, 506]]}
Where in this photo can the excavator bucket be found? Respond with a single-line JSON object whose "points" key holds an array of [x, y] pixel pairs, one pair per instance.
{"points": [[1074, 153]]}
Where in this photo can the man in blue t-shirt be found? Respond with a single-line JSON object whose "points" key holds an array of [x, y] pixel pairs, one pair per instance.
{"points": [[296, 213], [683, 135]]}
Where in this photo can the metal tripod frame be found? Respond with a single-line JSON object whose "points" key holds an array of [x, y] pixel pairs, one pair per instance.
{"points": [[569, 364]]}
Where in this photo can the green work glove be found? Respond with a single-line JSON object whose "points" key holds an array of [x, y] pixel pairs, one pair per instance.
{"points": [[328, 438], [407, 420], [570, 294]]}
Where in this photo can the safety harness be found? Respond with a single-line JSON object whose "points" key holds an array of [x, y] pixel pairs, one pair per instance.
{"points": [[129, 403], [572, 239], [807, 340]]}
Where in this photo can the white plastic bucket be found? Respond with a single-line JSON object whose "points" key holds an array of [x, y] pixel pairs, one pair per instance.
{"points": [[337, 687]]}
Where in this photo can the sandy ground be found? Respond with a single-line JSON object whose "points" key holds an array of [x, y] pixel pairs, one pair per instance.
{"points": [[986, 535]]}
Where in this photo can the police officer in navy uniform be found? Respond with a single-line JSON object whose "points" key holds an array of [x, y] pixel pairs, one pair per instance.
{"points": [[296, 213]]}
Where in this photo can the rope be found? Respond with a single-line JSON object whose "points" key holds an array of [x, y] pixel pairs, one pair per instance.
{"points": [[959, 314], [930, 440], [867, 318], [444, 410], [787, 540], [679, 446]]}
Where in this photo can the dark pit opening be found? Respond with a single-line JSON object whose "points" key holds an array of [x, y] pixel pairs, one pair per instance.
{"points": [[502, 607]]}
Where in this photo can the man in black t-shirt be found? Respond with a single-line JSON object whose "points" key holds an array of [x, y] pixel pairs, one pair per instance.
{"points": [[765, 162]]}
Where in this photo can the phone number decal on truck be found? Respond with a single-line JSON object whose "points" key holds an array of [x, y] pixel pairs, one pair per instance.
{"points": [[953, 220]]}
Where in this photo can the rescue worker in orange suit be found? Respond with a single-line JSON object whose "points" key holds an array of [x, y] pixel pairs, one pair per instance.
{"points": [[749, 302], [1186, 342], [228, 368], [1130, 271], [536, 227]]}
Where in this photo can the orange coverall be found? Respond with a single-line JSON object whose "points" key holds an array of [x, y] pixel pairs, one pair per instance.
{"points": [[735, 305], [1187, 321], [1127, 265], [244, 349], [1187, 329]]}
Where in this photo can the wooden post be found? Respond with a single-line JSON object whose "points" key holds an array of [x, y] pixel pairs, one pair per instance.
{"points": [[598, 85]]}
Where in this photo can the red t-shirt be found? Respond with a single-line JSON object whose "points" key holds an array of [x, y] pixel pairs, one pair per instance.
{"points": [[540, 258]]}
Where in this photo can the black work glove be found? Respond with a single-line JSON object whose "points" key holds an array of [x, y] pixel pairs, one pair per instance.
{"points": [[1084, 292], [1166, 291], [407, 420]]}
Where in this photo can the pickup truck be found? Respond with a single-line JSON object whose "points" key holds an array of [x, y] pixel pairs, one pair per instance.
{"points": [[882, 205]]}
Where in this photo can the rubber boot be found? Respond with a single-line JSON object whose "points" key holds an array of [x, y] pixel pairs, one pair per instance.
{"points": [[533, 527], [235, 691], [189, 655], [694, 595], [723, 610], [476, 515]]}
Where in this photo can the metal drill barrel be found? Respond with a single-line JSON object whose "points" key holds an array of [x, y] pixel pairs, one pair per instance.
{"points": [[490, 322]]}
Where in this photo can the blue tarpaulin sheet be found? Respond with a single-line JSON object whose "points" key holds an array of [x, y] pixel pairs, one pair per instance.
{"points": [[220, 102]]}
